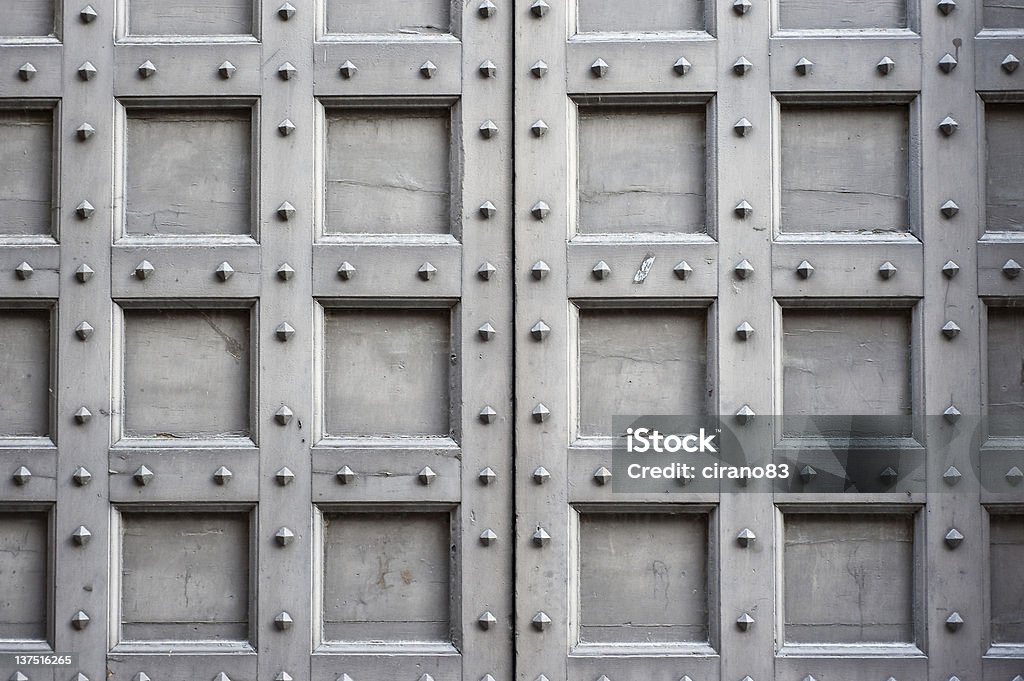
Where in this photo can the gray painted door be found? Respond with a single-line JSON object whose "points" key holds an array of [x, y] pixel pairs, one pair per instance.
{"points": [[315, 316]]}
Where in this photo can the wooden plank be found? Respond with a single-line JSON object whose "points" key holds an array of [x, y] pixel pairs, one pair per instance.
{"points": [[191, 17], [807, 14], [848, 66], [24, 569], [26, 404], [658, 15], [26, 171], [30, 19], [428, 17]]}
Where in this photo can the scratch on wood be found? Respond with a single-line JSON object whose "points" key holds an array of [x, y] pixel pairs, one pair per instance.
{"points": [[645, 269]]}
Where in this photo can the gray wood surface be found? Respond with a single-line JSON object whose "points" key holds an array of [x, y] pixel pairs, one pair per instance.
{"points": [[24, 557], [805, 14], [656, 15], [190, 17], [29, 19], [25, 373], [426, 17], [1005, 377], [1004, 199], [26, 170], [1006, 534], [1002, 14]]}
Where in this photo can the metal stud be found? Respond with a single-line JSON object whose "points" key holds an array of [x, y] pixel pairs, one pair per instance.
{"points": [[539, 128], [539, 69], [808, 474], [427, 271], [599, 68], [427, 69], [540, 270], [805, 269], [541, 621], [287, 71], [286, 11], [741, 7], [487, 210], [487, 9], [744, 331], [284, 536], [952, 476], [742, 66], [345, 475], [745, 538], [348, 69], [285, 127], [224, 271], [1014, 476], [954, 538], [743, 127], [23, 271], [346, 271], [540, 210], [744, 415], [143, 476], [80, 620], [950, 269], [601, 270], [887, 270], [486, 332], [743, 210], [27, 71], [286, 211], [1010, 63], [809, 678], [743, 269], [222, 677], [889, 476], [804, 67], [683, 270], [222, 476], [954, 622], [950, 330], [79, 677], [81, 476], [81, 535], [283, 676], [488, 537], [540, 331], [22, 476], [141, 676], [682, 66], [947, 63], [486, 621], [948, 126], [744, 622], [949, 209], [284, 415], [284, 477], [952, 414], [885, 66], [284, 332], [86, 71], [82, 415], [84, 210], [426, 476], [603, 476], [84, 331], [541, 475], [486, 271], [540, 8], [541, 413], [487, 476], [226, 70], [488, 129], [488, 69], [144, 270], [85, 131], [147, 69], [1011, 269], [283, 621]]}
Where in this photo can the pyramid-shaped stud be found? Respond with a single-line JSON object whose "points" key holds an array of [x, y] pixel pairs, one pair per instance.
{"points": [[808, 474], [486, 271], [284, 332], [487, 677], [1017, 678], [741, 7], [949, 209], [744, 331], [427, 271], [804, 67], [952, 414], [286, 11], [947, 63], [742, 66], [954, 538], [743, 269], [1014, 476], [283, 621], [84, 331], [809, 678], [426, 476], [599, 68], [143, 476], [284, 536], [541, 621], [888, 476], [87, 71], [946, 6], [885, 66], [539, 68], [286, 211], [426, 677], [601, 270], [539, 270], [487, 476], [541, 475], [540, 210], [948, 126], [539, 8], [80, 620], [540, 413], [346, 271], [602, 476], [287, 71], [81, 535], [486, 332], [805, 270], [952, 476], [147, 69], [222, 476], [682, 270], [950, 269], [540, 330], [81, 476], [887, 270], [84, 273], [487, 537], [224, 271], [746, 537], [141, 676], [488, 415], [222, 677], [744, 622], [27, 71], [682, 66], [84, 210], [954, 622], [487, 9], [22, 476], [144, 270], [285, 127], [85, 131], [428, 69], [488, 69], [79, 677], [1011, 269], [1010, 63], [486, 620], [82, 415], [226, 70], [348, 69], [345, 475], [743, 127], [488, 129], [488, 210], [23, 271], [743, 210], [284, 477], [88, 14], [950, 330], [539, 128], [744, 415], [284, 415]]}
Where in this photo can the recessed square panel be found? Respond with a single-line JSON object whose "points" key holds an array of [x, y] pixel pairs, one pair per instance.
{"points": [[813, 14], [845, 169], [25, 397], [387, 372], [1006, 371], [26, 171], [185, 576], [642, 169], [389, 16], [849, 578], [653, 15], [1004, 145], [190, 17], [386, 577], [387, 172], [186, 373], [636, 362], [840, 362], [24, 561], [1002, 13], [643, 578], [189, 171], [1006, 555], [28, 19]]}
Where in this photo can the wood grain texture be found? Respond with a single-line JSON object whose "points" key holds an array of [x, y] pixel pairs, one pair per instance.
{"points": [[24, 19], [800, 14], [1006, 553], [25, 372], [845, 169], [24, 547], [1004, 140], [1002, 13], [428, 17], [26, 171], [654, 15], [190, 17], [1006, 371]]}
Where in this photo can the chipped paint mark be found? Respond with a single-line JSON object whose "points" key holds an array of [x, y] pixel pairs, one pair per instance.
{"points": [[645, 269]]}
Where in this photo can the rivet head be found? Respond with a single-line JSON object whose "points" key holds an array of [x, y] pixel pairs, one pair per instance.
{"points": [[743, 269], [805, 269], [888, 476], [222, 476], [85, 131], [683, 270], [745, 538], [283, 621], [427, 69], [22, 476], [143, 476], [488, 415], [887, 270], [540, 270], [224, 271], [682, 66], [84, 273], [602, 476], [488, 129], [541, 475], [947, 63], [743, 127], [80, 620], [286, 11], [601, 270], [86, 71], [952, 476], [88, 14], [599, 68], [952, 414], [147, 69], [488, 537], [804, 67], [743, 210], [487, 332], [946, 6], [81, 476], [954, 538], [540, 413], [488, 210], [486, 621], [741, 7], [745, 415], [950, 269], [949, 209], [486, 271], [81, 535], [1010, 63], [346, 271], [84, 331], [284, 536], [540, 210], [742, 66], [950, 330], [82, 415], [285, 272], [284, 332], [284, 477], [348, 69], [144, 270], [284, 415], [541, 621], [1014, 476], [539, 128], [487, 476], [487, 9], [222, 677], [954, 622], [744, 331], [808, 474], [1011, 269], [23, 271], [285, 127], [27, 71], [286, 211], [84, 210], [287, 71], [540, 330], [885, 66], [226, 70], [488, 69], [426, 476], [427, 271], [539, 8], [141, 676], [948, 126], [539, 68], [744, 622], [541, 537], [345, 475]]}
